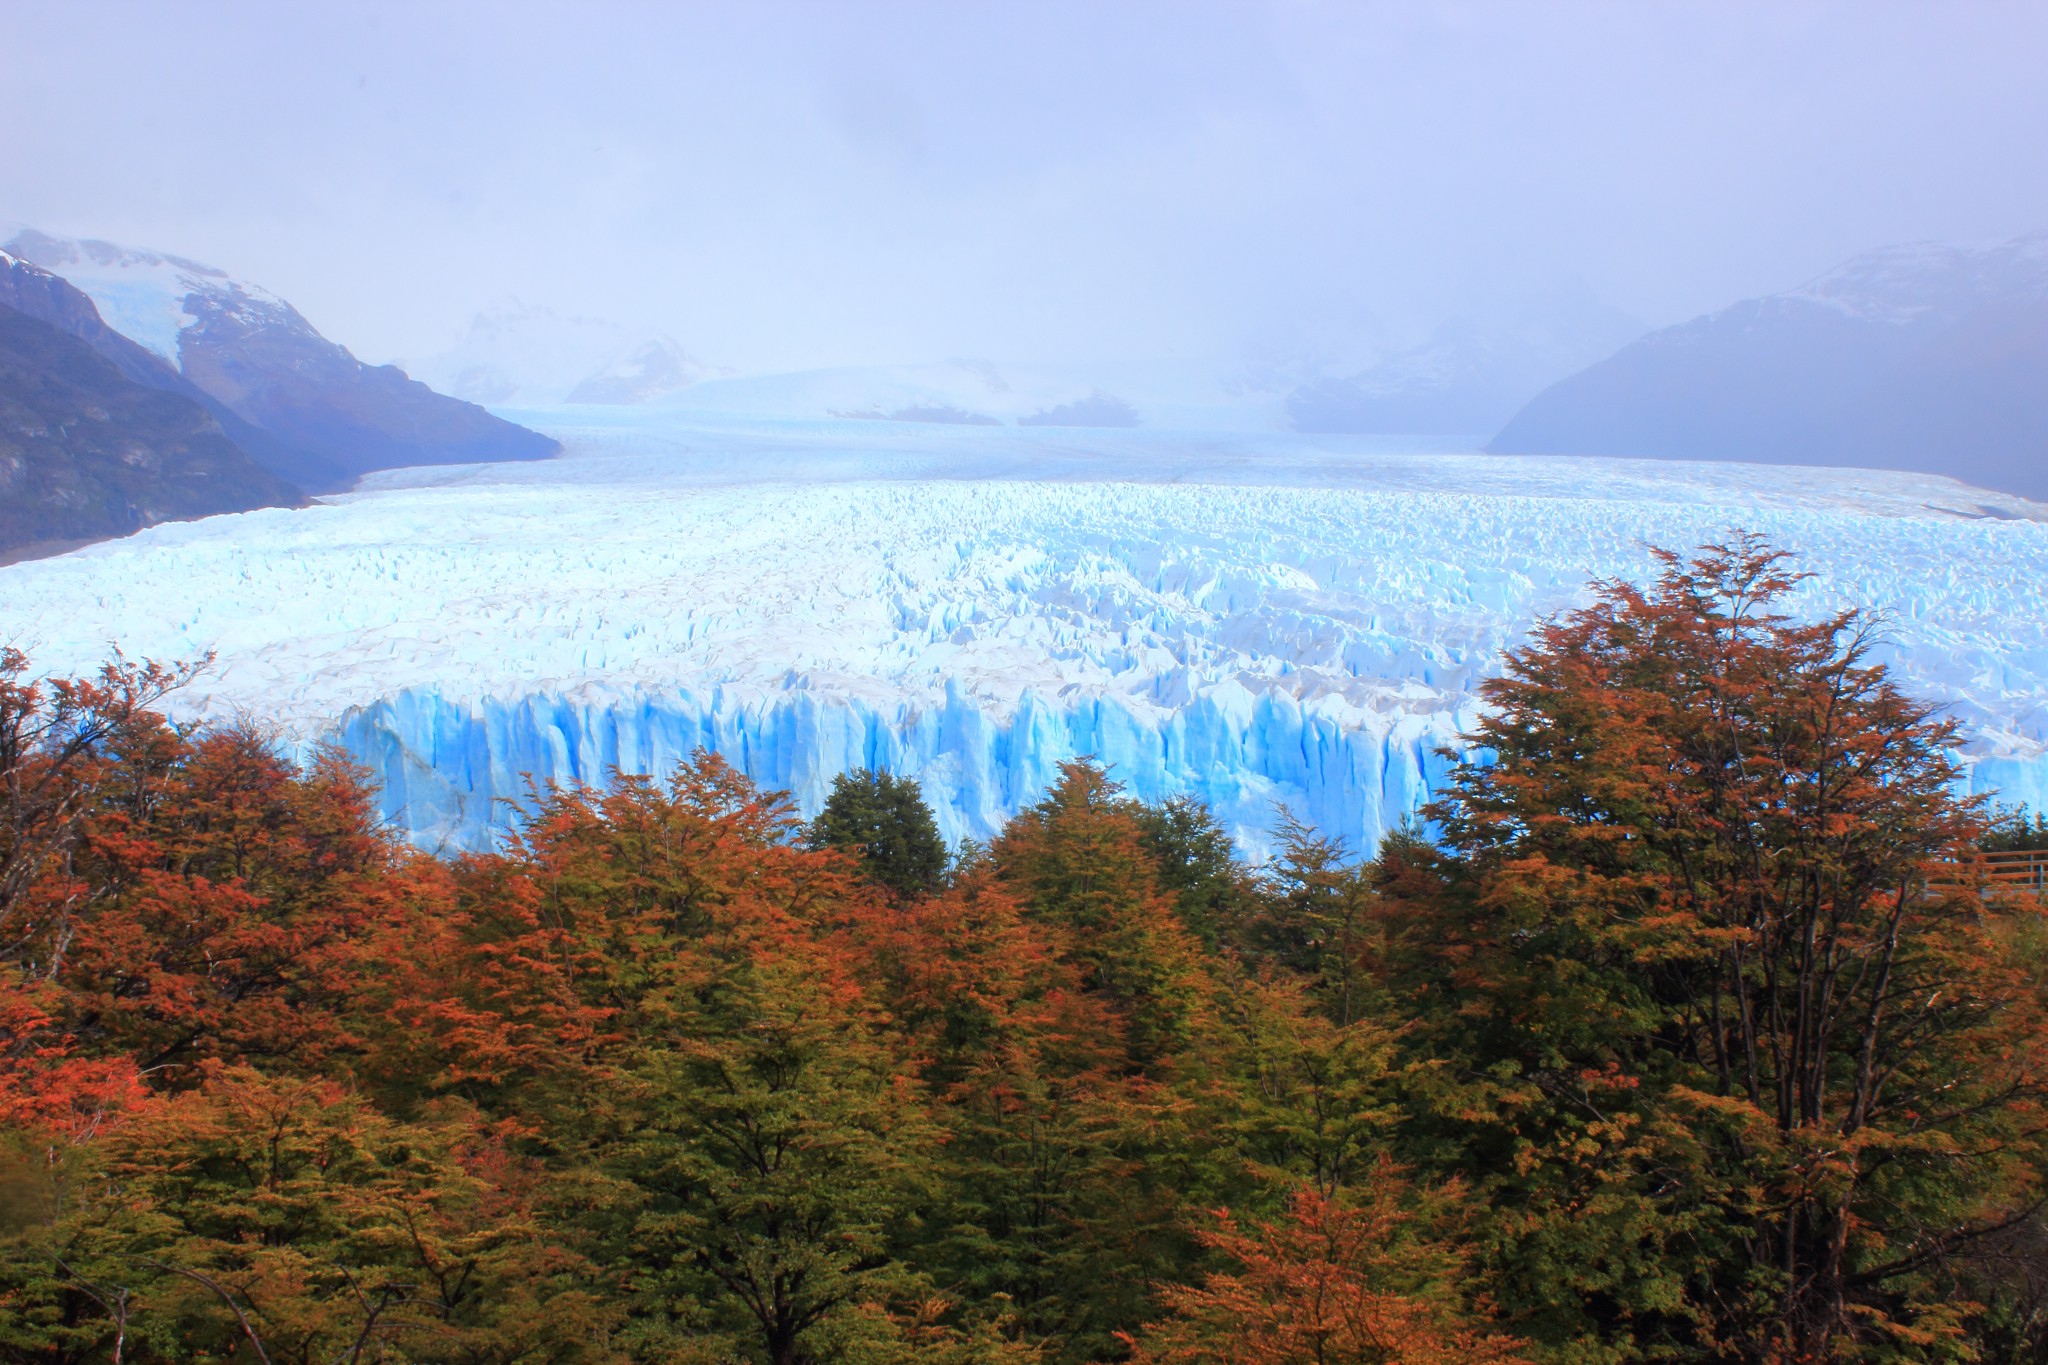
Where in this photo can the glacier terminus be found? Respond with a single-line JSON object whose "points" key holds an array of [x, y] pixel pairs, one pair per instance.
{"points": [[1253, 620]]}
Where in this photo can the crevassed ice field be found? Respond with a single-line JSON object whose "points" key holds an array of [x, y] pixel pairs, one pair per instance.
{"points": [[1248, 619]]}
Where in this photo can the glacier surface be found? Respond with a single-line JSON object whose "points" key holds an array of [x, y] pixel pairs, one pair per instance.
{"points": [[1250, 619]]}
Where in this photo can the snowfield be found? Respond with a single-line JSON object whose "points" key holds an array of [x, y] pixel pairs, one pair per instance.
{"points": [[1248, 619]]}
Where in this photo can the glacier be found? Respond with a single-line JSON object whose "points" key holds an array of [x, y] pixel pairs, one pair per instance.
{"points": [[1253, 619]]}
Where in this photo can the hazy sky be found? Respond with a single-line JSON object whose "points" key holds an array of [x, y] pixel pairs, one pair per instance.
{"points": [[790, 185]]}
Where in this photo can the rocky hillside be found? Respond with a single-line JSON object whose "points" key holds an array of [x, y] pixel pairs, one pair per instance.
{"points": [[87, 453]]}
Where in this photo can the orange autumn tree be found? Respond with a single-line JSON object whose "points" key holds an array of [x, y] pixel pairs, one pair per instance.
{"points": [[1331, 1283], [57, 737], [189, 902], [238, 895], [1740, 1052], [168, 898], [54, 773], [537, 963]]}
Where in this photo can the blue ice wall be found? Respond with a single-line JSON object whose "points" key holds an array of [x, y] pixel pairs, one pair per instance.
{"points": [[452, 772]]}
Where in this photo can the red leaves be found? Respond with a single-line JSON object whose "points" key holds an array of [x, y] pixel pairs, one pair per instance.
{"points": [[60, 744], [46, 1088], [205, 902]]}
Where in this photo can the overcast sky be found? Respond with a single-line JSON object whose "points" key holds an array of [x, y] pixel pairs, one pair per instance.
{"points": [[792, 185]]}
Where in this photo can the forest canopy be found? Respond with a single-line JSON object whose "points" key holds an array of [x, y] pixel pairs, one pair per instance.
{"points": [[1689, 1025]]}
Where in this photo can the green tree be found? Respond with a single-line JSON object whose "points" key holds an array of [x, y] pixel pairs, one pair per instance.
{"points": [[764, 1155], [1078, 860], [1315, 918], [1197, 864], [2013, 830], [883, 820]]}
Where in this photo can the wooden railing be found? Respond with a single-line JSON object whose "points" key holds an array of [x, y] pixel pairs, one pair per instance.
{"points": [[2025, 868]]}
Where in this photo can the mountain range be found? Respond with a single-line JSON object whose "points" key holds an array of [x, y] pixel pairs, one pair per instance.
{"points": [[980, 393], [532, 356], [1468, 377], [1926, 357]]}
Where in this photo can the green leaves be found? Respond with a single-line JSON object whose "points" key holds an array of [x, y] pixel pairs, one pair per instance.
{"points": [[882, 819], [764, 1159]]}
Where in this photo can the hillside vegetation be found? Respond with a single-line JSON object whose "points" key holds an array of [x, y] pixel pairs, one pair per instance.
{"points": [[1685, 1029]]}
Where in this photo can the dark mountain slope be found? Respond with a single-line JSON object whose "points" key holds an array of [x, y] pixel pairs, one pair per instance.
{"points": [[281, 375], [53, 299], [29, 289], [1925, 358], [87, 453]]}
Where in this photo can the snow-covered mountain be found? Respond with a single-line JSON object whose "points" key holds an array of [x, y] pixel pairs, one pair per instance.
{"points": [[1251, 620], [51, 299], [1926, 356], [152, 298], [526, 355], [655, 367], [332, 417], [1471, 375]]}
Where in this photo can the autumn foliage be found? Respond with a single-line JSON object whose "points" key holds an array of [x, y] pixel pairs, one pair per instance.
{"points": [[1687, 1028], [1329, 1281]]}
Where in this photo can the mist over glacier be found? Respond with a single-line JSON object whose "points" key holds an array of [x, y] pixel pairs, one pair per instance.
{"points": [[1249, 619]]}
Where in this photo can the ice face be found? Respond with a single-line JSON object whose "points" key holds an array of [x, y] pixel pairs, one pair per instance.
{"points": [[1248, 620]]}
